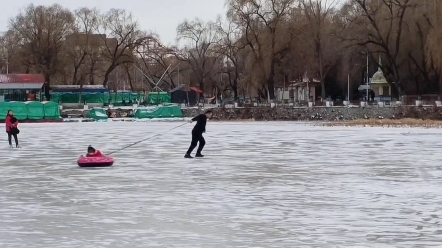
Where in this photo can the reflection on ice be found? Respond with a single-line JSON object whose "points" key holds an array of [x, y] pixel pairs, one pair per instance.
{"points": [[261, 185]]}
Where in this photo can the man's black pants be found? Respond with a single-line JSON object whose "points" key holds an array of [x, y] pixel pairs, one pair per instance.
{"points": [[197, 137]]}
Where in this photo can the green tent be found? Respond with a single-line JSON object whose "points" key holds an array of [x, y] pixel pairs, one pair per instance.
{"points": [[35, 110], [144, 114], [51, 110], [93, 98], [170, 112], [97, 114], [65, 97], [4, 107], [68, 97], [20, 110], [119, 97], [155, 98], [115, 98], [160, 112]]}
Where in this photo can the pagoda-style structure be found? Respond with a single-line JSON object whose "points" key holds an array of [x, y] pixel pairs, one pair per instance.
{"points": [[380, 86]]}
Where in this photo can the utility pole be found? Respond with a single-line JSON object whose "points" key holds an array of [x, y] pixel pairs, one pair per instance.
{"points": [[367, 79], [7, 65], [348, 89]]}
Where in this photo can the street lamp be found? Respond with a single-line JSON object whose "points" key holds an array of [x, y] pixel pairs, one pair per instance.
{"points": [[7, 65], [367, 80], [366, 77]]}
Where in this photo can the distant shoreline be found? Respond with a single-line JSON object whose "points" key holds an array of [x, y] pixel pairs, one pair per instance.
{"points": [[389, 123], [393, 123]]}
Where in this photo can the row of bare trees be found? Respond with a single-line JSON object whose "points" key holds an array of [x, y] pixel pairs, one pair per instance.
{"points": [[257, 46]]}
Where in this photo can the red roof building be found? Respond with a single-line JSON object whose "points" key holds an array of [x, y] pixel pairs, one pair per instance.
{"points": [[196, 90], [21, 81]]}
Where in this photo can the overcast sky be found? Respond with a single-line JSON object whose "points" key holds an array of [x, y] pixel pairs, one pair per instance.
{"points": [[161, 16]]}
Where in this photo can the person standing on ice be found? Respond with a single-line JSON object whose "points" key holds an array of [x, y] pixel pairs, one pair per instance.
{"points": [[197, 134], [12, 128]]}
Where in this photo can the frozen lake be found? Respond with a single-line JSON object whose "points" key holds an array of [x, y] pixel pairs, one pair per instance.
{"points": [[260, 185]]}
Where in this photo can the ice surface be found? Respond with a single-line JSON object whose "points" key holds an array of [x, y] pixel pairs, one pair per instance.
{"points": [[261, 185]]}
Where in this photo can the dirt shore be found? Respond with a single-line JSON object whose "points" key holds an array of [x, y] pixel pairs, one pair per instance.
{"points": [[406, 122]]}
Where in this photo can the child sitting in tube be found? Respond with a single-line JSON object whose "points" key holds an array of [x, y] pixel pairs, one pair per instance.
{"points": [[91, 152]]}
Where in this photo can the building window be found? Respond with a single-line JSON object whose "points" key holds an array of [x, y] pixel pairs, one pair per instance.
{"points": [[21, 95]]}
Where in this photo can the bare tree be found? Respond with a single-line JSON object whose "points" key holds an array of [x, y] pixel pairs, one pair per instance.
{"points": [[318, 28], [262, 23], [42, 31], [10, 59], [262, 44], [381, 29], [122, 40], [433, 50], [82, 42], [231, 49], [414, 53], [4, 57], [201, 38]]}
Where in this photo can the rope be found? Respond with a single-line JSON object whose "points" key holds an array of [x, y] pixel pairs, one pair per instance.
{"points": [[144, 140]]}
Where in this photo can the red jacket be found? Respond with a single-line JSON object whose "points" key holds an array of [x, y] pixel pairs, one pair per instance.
{"points": [[96, 154], [9, 124]]}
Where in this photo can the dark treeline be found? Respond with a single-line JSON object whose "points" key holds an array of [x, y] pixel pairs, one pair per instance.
{"points": [[256, 46]]}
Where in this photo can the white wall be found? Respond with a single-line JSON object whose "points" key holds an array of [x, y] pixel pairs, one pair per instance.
{"points": [[282, 95]]}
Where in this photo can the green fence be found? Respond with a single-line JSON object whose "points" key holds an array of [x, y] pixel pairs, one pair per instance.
{"points": [[31, 110], [51, 110], [159, 112], [20, 110], [155, 98], [36, 110], [4, 107], [98, 98]]}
